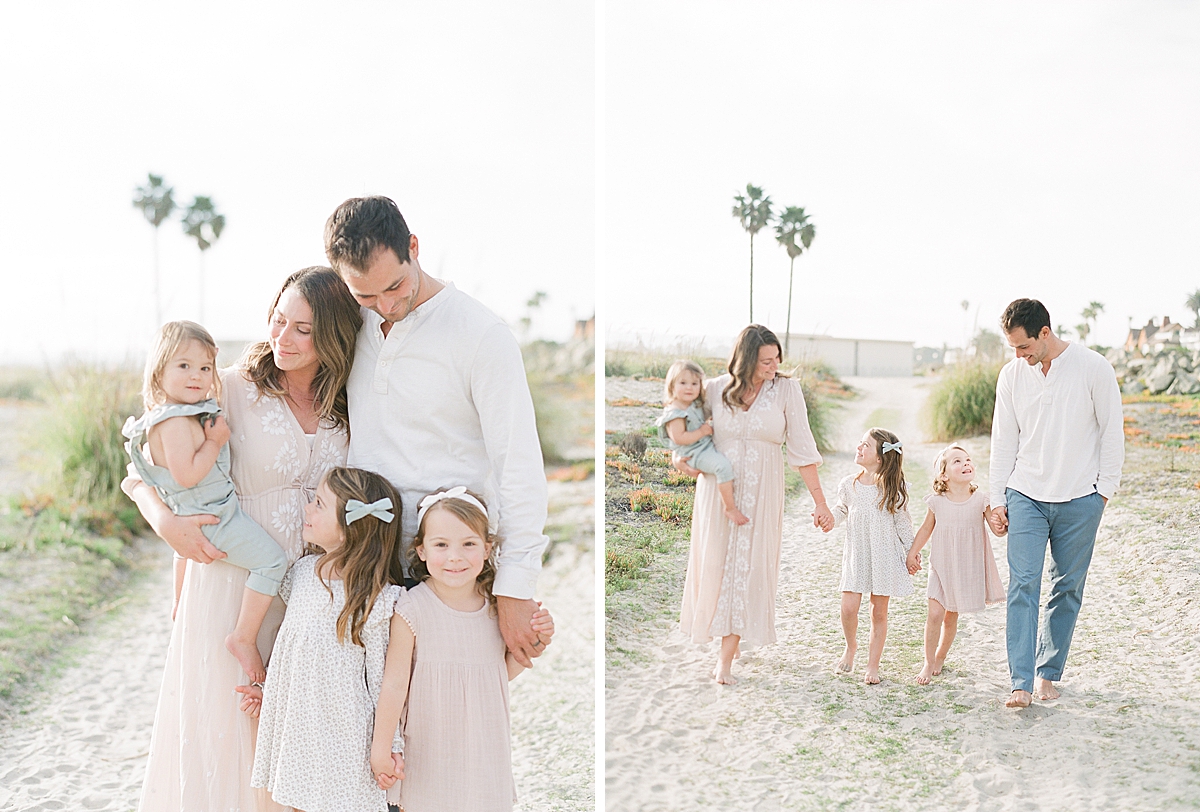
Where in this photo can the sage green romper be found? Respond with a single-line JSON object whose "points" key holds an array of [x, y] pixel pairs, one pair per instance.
{"points": [[243, 541]]}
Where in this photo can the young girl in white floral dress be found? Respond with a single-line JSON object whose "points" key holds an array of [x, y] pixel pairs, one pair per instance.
{"points": [[963, 576], [879, 533], [447, 672], [318, 703]]}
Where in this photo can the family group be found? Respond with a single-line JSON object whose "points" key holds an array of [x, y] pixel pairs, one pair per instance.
{"points": [[1056, 456], [357, 510]]}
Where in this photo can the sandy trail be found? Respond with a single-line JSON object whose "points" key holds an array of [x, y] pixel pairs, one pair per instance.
{"points": [[792, 735], [82, 742]]}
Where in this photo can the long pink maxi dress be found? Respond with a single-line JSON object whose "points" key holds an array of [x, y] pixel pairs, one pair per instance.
{"points": [[733, 571], [202, 748]]}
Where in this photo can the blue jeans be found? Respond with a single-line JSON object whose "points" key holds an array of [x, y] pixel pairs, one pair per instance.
{"points": [[1070, 528]]}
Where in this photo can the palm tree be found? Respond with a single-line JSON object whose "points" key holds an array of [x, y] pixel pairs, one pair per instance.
{"points": [[754, 212], [202, 223], [793, 223], [1193, 304], [1089, 314], [1083, 330], [156, 202]]}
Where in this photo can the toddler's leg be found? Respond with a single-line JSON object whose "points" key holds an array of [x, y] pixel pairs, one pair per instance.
{"points": [[949, 629], [243, 643], [851, 601], [879, 607], [933, 628], [731, 512]]}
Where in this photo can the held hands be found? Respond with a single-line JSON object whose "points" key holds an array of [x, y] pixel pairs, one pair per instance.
{"points": [[823, 518], [543, 625], [913, 562], [387, 767], [217, 430], [997, 519]]}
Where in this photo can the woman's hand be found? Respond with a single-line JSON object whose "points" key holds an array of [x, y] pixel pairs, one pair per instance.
{"points": [[251, 699], [823, 518], [181, 533]]}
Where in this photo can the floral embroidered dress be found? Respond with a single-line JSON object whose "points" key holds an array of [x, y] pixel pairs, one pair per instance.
{"points": [[202, 748], [733, 571]]}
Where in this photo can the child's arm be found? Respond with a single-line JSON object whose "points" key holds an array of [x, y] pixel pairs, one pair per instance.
{"points": [[187, 462], [677, 431], [987, 523], [388, 768], [914, 554], [543, 625]]}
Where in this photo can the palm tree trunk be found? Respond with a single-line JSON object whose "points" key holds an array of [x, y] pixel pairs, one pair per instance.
{"points": [[752, 277], [787, 336], [200, 279], [157, 297]]}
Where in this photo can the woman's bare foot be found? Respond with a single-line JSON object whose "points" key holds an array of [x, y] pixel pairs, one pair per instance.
{"points": [[872, 675], [737, 517], [926, 675], [1019, 699], [1044, 690], [723, 676], [846, 664], [937, 667], [248, 657]]}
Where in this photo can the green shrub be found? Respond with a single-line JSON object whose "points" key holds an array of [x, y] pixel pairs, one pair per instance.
{"points": [[962, 402], [820, 412]]}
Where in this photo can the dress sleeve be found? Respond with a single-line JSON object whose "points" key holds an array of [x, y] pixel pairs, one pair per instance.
{"points": [[904, 527], [801, 446], [841, 508], [931, 502], [375, 635], [406, 608], [285, 586]]}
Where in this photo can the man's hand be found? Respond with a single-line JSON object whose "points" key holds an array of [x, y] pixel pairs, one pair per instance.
{"points": [[998, 520], [517, 630]]}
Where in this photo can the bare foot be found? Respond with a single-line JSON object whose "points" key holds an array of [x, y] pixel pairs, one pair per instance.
{"points": [[846, 664], [737, 517], [872, 676], [1044, 690], [1019, 699], [925, 677], [937, 667], [722, 675], [248, 657]]}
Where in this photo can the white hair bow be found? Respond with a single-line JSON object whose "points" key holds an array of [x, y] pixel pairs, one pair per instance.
{"points": [[355, 510], [896, 446], [459, 493]]}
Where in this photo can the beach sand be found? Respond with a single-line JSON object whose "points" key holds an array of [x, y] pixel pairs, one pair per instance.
{"points": [[791, 735], [80, 743]]}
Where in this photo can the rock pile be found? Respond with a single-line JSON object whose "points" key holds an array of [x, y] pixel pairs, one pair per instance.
{"points": [[1171, 371]]}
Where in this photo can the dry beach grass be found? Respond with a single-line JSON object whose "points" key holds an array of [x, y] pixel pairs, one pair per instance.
{"points": [[792, 735]]}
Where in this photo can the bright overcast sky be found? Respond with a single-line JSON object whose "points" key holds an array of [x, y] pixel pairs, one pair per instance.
{"points": [[476, 118], [945, 152]]}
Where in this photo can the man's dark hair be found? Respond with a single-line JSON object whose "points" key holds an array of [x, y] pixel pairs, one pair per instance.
{"points": [[1028, 314], [361, 225]]}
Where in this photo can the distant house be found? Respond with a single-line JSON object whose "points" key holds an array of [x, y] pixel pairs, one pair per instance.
{"points": [[1155, 337]]}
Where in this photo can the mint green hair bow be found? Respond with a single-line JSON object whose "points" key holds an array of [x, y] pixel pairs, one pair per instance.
{"points": [[355, 510], [896, 446]]}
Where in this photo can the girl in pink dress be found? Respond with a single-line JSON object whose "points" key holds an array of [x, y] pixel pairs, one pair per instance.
{"points": [[962, 570]]}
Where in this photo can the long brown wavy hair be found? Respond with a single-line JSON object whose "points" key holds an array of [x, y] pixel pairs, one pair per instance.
{"points": [[336, 320], [369, 558], [893, 490], [744, 360], [469, 515]]}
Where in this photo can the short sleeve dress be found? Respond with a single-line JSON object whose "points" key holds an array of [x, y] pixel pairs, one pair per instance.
{"points": [[457, 747], [877, 542], [318, 709], [963, 576]]}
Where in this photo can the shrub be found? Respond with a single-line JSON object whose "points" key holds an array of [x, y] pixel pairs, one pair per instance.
{"points": [[962, 402], [820, 412]]}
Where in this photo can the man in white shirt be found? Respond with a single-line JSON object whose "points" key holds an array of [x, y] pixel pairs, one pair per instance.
{"points": [[1058, 443], [438, 398]]}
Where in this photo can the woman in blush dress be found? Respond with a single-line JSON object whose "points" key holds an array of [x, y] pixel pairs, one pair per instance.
{"points": [[733, 570], [285, 403]]}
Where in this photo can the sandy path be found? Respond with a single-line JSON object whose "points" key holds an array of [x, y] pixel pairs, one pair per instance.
{"points": [[81, 745], [791, 735]]}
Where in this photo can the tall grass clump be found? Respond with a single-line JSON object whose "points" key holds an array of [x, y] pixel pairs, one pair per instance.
{"points": [[87, 407], [962, 402], [820, 411]]}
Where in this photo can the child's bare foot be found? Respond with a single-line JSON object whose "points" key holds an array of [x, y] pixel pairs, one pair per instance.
{"points": [[723, 676], [1044, 690], [926, 675], [246, 652], [872, 675], [736, 516], [937, 667], [846, 664], [1019, 699]]}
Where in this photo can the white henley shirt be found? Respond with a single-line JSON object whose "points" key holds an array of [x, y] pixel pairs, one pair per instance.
{"points": [[441, 401], [1058, 436]]}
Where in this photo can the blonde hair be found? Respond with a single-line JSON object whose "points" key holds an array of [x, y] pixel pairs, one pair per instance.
{"points": [[369, 559], [893, 490], [673, 375], [473, 518], [940, 485], [173, 336]]}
